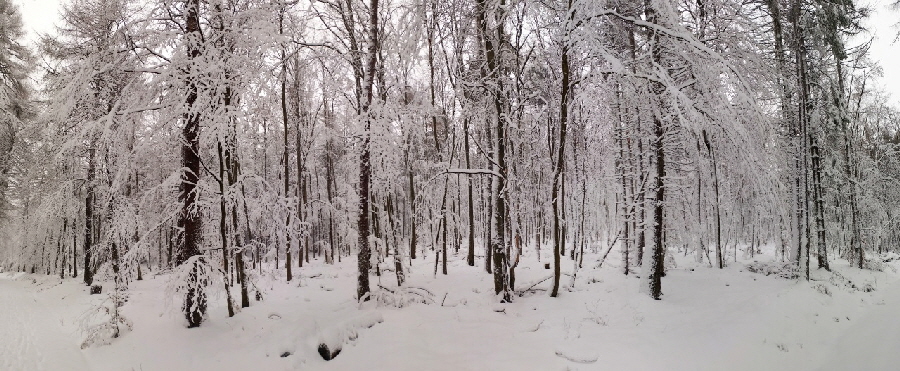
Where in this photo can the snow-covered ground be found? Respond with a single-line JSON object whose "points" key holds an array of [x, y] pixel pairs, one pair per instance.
{"points": [[709, 319], [37, 327]]}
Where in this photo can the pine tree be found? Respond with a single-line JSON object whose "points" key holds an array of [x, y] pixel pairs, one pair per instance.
{"points": [[14, 92]]}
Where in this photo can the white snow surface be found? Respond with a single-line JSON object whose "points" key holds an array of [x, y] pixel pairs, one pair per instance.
{"points": [[709, 319], [36, 327]]}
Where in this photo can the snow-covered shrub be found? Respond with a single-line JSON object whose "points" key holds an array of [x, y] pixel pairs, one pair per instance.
{"points": [[401, 297], [253, 285], [192, 277], [839, 280], [875, 264], [821, 288], [780, 269], [669, 261], [104, 322], [890, 256]]}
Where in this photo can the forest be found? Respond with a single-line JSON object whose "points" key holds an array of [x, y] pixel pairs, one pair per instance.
{"points": [[226, 144]]}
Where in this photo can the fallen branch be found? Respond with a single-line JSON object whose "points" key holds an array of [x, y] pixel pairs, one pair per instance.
{"points": [[538, 327], [522, 292], [585, 359], [613, 243]]}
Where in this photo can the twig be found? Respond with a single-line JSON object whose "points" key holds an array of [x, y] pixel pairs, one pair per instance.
{"points": [[420, 288], [385, 288]]}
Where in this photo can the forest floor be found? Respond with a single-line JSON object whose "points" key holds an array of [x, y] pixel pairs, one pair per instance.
{"points": [[708, 319]]}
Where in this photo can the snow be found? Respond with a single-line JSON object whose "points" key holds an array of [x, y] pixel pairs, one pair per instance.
{"points": [[36, 331], [871, 343], [708, 319]]}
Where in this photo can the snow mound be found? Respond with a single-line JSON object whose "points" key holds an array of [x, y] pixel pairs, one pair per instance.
{"points": [[333, 339]]}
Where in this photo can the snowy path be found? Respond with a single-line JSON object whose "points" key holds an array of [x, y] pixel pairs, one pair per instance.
{"points": [[31, 332], [872, 343]]}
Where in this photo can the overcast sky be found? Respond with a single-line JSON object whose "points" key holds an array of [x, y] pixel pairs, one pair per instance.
{"points": [[40, 15], [881, 26]]}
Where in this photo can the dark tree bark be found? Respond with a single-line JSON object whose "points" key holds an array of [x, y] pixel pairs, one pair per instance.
{"points": [[286, 155], [60, 253], [657, 268], [365, 170], [819, 205], [88, 245], [74, 251], [223, 228], [470, 257], [398, 262], [302, 182], [248, 236], [189, 219], [800, 133], [640, 194], [412, 204], [239, 240], [486, 195], [624, 196], [444, 228], [492, 35], [226, 173], [720, 259], [561, 155]]}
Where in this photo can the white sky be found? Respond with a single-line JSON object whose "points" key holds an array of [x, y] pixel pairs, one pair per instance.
{"points": [[39, 16], [881, 26]]}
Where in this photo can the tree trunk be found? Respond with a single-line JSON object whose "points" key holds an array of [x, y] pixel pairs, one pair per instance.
{"points": [[286, 155], [223, 229], [561, 156], [856, 248], [365, 170], [802, 141], [657, 268], [470, 257], [624, 195], [88, 245], [720, 259], [444, 229], [189, 220], [819, 206], [492, 35], [412, 204]]}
